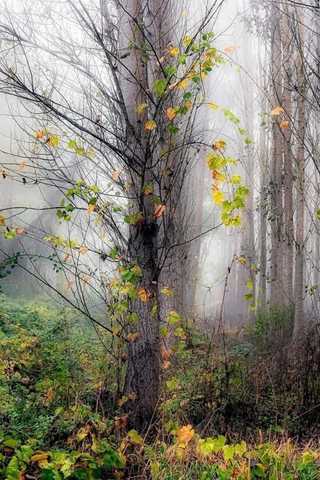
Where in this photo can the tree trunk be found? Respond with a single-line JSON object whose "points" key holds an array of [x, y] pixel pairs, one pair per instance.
{"points": [[287, 42], [143, 365], [299, 325], [276, 291]]}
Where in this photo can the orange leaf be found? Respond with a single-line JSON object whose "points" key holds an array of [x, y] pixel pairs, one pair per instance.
{"points": [[83, 249], [20, 231], [185, 434], [159, 211], [40, 134], [143, 294], [165, 353], [277, 111], [284, 124]]}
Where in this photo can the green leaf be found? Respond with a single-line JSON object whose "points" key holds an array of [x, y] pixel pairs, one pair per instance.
{"points": [[228, 452], [135, 438], [250, 284], [159, 87], [10, 234], [12, 470], [173, 317]]}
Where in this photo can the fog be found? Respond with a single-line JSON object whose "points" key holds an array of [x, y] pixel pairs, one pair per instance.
{"points": [[237, 86]]}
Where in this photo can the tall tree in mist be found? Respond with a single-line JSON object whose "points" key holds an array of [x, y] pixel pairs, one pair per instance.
{"points": [[120, 113]]}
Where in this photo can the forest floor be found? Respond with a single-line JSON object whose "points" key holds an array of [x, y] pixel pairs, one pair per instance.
{"points": [[248, 410]]}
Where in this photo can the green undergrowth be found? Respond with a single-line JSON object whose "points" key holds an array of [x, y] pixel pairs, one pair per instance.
{"points": [[225, 413]]}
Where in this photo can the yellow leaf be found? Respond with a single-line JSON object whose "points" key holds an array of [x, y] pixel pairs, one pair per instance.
{"points": [[39, 457], [83, 433], [218, 197], [219, 145], [183, 84], [141, 108], [235, 179], [214, 106], [135, 438], [150, 125], [187, 40], [91, 208], [166, 291], [148, 189], [185, 435], [171, 113], [188, 104], [277, 111], [218, 176], [242, 260], [53, 141], [174, 51]]}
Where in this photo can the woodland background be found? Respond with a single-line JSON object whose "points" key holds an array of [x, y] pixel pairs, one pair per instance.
{"points": [[159, 239]]}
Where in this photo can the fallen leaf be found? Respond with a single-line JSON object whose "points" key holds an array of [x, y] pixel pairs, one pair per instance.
{"points": [[121, 422]]}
